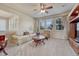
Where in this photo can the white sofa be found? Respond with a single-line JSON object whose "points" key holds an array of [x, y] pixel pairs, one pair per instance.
{"points": [[24, 39]]}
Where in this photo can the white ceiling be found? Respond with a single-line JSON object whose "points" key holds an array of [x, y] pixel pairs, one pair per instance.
{"points": [[5, 14], [57, 9], [33, 9]]}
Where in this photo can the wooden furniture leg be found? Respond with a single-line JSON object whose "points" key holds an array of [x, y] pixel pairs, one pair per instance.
{"points": [[5, 52]]}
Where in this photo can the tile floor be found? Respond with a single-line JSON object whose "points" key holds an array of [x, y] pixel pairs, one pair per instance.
{"points": [[52, 47]]}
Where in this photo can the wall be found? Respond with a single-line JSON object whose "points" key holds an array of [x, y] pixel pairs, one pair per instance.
{"points": [[58, 34], [26, 22]]}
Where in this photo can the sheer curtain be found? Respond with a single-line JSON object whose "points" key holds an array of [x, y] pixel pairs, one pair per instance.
{"points": [[2, 25], [14, 23]]}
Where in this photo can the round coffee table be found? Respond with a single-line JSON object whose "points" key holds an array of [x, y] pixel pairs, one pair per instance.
{"points": [[38, 39]]}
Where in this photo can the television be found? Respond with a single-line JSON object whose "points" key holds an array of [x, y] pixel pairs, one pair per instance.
{"points": [[77, 38]]}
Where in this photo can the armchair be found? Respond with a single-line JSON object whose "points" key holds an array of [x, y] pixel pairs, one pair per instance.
{"points": [[3, 44]]}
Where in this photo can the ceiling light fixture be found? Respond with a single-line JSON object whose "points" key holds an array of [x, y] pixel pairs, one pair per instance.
{"points": [[44, 8], [42, 11]]}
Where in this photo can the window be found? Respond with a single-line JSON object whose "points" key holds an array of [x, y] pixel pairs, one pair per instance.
{"points": [[59, 25], [46, 24], [2, 25], [42, 24], [14, 23]]}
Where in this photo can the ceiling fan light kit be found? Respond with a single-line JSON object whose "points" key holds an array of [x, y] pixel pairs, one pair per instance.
{"points": [[44, 7], [42, 11]]}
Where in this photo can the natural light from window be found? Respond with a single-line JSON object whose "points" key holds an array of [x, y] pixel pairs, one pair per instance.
{"points": [[2, 25], [45, 24]]}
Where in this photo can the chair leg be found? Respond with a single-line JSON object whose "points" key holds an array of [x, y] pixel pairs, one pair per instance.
{"points": [[43, 41], [46, 38], [5, 52]]}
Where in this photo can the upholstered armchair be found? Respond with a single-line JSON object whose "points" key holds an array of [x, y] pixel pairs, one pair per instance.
{"points": [[11, 39], [3, 44]]}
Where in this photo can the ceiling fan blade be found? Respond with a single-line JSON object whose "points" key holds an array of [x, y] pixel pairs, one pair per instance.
{"points": [[49, 7], [45, 6], [42, 6]]}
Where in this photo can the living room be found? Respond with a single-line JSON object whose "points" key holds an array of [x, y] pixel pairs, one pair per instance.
{"points": [[20, 23]]}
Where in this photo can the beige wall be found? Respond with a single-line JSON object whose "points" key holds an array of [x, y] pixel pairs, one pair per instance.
{"points": [[26, 23], [60, 34]]}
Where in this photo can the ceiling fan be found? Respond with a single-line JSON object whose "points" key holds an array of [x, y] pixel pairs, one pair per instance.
{"points": [[44, 7]]}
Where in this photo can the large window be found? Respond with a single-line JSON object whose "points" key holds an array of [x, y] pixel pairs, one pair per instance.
{"points": [[59, 24], [46, 24], [2, 25]]}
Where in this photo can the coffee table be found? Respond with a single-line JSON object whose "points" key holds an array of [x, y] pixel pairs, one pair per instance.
{"points": [[38, 39]]}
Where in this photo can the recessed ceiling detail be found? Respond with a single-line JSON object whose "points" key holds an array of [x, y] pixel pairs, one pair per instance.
{"points": [[33, 9], [5, 14]]}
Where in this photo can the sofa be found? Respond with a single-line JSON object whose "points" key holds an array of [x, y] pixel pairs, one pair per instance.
{"points": [[24, 38]]}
